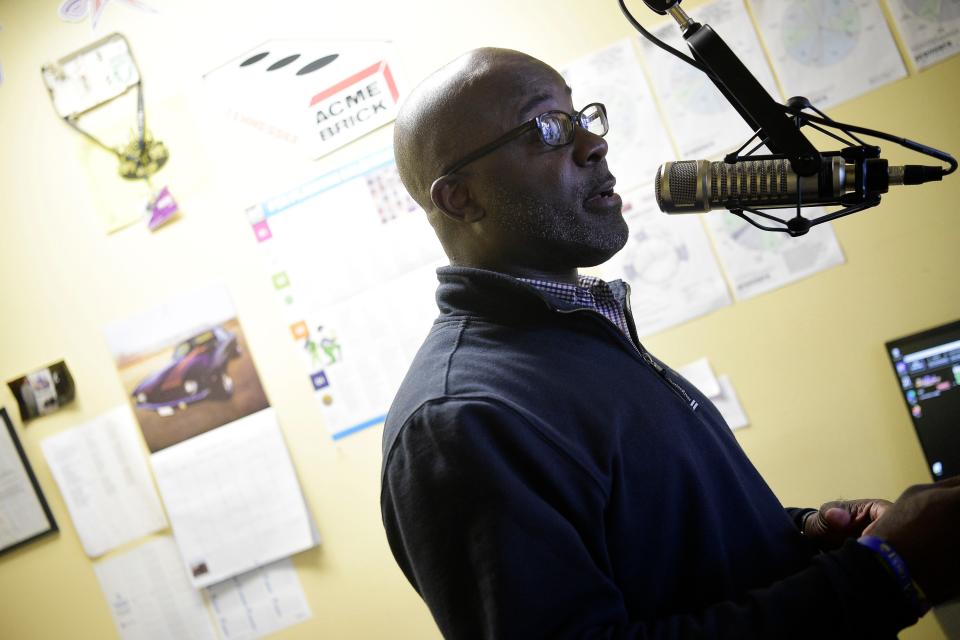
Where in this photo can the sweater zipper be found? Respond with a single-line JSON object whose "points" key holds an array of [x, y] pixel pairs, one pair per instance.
{"points": [[679, 391], [649, 358]]}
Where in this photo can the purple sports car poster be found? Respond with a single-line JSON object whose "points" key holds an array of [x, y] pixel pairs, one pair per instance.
{"points": [[220, 461], [186, 368]]}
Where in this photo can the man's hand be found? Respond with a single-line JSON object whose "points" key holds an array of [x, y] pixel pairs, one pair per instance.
{"points": [[841, 519], [923, 526]]}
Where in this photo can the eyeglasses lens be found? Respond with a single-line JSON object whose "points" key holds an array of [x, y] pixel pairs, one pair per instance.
{"points": [[594, 120], [555, 128]]}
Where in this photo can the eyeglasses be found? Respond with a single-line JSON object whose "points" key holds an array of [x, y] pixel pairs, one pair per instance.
{"points": [[556, 129]]}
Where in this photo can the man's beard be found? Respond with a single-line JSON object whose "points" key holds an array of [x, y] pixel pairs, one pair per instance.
{"points": [[537, 219]]}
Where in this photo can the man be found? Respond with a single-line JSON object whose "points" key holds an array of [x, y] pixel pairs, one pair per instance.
{"points": [[545, 476]]}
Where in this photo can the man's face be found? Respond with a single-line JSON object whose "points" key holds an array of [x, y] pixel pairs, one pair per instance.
{"points": [[548, 208]]}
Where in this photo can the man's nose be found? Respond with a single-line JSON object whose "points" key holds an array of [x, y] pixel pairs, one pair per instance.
{"points": [[588, 148]]}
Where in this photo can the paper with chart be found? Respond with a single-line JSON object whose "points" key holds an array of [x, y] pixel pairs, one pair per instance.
{"points": [[638, 142], [259, 602], [352, 258], [702, 122], [669, 265], [829, 51], [150, 597], [233, 499], [103, 477], [24, 513], [757, 261], [929, 28]]}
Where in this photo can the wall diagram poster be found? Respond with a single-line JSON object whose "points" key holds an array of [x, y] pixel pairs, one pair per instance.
{"points": [[930, 29], [701, 120], [352, 258], [672, 272], [637, 138], [220, 461], [758, 261], [829, 51]]}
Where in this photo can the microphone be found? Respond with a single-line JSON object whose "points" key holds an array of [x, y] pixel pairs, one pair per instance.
{"points": [[699, 186]]}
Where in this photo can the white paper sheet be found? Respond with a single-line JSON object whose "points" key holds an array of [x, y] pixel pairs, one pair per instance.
{"points": [[233, 498], [929, 28], [702, 121], [828, 51], [259, 602], [150, 596], [700, 374], [718, 389], [103, 477], [637, 139], [729, 405], [758, 261], [669, 265], [22, 515]]}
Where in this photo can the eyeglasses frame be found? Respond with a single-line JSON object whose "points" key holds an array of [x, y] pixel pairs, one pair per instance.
{"points": [[533, 123]]}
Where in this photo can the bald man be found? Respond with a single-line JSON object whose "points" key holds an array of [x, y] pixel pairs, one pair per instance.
{"points": [[544, 475]]}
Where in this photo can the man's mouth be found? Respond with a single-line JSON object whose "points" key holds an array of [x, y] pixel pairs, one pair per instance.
{"points": [[604, 197]]}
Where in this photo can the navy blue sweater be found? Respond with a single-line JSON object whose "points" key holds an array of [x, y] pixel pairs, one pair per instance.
{"points": [[545, 477]]}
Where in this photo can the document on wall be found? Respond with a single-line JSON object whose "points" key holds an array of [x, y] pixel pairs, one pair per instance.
{"points": [[217, 452], [669, 265], [702, 121], [103, 477], [24, 513], [233, 499], [929, 28], [259, 602], [356, 335], [829, 51], [150, 597], [757, 261], [637, 137]]}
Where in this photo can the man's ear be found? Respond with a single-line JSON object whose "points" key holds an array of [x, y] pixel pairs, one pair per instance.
{"points": [[451, 195]]}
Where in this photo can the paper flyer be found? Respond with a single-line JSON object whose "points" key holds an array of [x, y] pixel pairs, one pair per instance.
{"points": [[669, 266], [829, 51], [702, 122], [929, 28]]}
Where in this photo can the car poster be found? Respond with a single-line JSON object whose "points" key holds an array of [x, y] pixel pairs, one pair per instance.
{"points": [[221, 465]]}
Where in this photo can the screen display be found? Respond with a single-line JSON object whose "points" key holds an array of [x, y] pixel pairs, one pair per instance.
{"points": [[927, 365]]}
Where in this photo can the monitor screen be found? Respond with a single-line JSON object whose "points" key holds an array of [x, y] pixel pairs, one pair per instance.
{"points": [[927, 365]]}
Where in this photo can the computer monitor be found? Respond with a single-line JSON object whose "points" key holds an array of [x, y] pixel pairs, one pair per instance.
{"points": [[927, 365]]}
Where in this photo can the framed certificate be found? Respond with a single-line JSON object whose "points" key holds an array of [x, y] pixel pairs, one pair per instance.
{"points": [[24, 512]]}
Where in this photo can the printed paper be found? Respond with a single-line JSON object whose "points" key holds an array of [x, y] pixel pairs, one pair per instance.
{"points": [[703, 123], [150, 597], [757, 261], [259, 602], [930, 29], [103, 477], [669, 265], [829, 51]]}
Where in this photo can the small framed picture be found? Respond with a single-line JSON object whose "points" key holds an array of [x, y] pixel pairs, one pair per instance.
{"points": [[24, 512]]}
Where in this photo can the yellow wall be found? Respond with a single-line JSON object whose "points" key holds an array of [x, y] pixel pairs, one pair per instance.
{"points": [[807, 360]]}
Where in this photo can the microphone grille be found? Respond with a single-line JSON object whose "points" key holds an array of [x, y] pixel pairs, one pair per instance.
{"points": [[683, 182]]}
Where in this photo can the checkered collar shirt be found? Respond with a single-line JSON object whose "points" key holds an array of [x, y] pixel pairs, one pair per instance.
{"points": [[589, 293]]}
